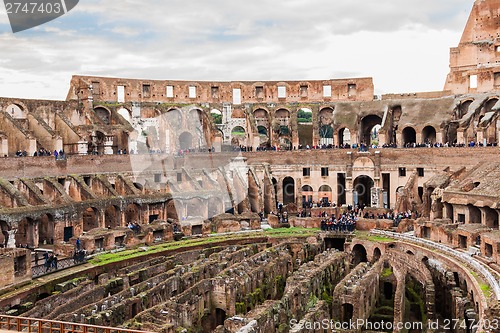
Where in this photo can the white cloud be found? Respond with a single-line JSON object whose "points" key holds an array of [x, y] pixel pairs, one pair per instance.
{"points": [[404, 46]]}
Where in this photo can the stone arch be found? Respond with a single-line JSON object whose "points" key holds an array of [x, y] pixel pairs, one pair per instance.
{"points": [[364, 163], [409, 135], [463, 108], [366, 126], [46, 228], [325, 193], [25, 234], [346, 312], [358, 254], [474, 214], [263, 133], [112, 217], [376, 254], [344, 136], [362, 186], [288, 190], [429, 135], [490, 124], [238, 136], [173, 117], [305, 126], [216, 116], [133, 213], [326, 115], [282, 113], [307, 193], [490, 103], [125, 113], [90, 219], [491, 218], [261, 114], [17, 111], [104, 114], [172, 212]]}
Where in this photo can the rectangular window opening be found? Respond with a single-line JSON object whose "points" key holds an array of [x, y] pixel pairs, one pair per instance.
{"points": [[259, 92], [281, 92], [215, 92], [96, 88], [303, 91], [473, 81], [402, 172], [237, 96], [192, 92], [327, 91], [306, 172], [324, 172], [157, 177], [170, 91], [351, 90], [420, 172], [146, 90], [121, 94]]}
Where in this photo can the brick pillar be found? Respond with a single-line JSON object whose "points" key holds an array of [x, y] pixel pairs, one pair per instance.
{"points": [[460, 136], [11, 242]]}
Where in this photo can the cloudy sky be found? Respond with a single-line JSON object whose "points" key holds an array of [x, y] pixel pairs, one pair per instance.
{"points": [[403, 44]]}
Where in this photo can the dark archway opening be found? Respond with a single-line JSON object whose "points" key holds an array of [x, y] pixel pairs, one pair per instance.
{"points": [[376, 254], [90, 219], [220, 317], [5, 233], [288, 190], [362, 190], [112, 217], [429, 135], [46, 229], [347, 312], [367, 125], [358, 254], [335, 243], [409, 136]]}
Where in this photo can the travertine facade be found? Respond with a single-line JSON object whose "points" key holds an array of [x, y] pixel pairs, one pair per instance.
{"points": [[149, 161]]}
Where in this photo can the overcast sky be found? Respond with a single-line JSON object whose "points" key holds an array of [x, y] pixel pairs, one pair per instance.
{"points": [[403, 44]]}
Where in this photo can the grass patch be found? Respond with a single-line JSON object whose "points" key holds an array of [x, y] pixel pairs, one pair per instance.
{"points": [[107, 258], [386, 272], [287, 232], [485, 288], [373, 238]]}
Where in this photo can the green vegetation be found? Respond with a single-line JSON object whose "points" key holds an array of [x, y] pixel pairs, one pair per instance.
{"points": [[288, 232], [313, 300], [304, 117], [107, 258], [485, 289], [217, 118], [373, 238], [238, 131], [386, 272]]}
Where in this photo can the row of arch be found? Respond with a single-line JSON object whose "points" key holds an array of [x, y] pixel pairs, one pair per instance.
{"points": [[362, 187]]}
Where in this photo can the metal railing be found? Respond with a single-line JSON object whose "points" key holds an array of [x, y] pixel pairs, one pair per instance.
{"points": [[39, 270], [33, 325], [478, 267]]}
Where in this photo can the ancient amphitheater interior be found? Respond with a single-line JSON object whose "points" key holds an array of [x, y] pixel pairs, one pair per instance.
{"points": [[183, 207]]}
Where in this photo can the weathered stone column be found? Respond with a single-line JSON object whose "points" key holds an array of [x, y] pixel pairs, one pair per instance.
{"points": [[11, 239]]}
